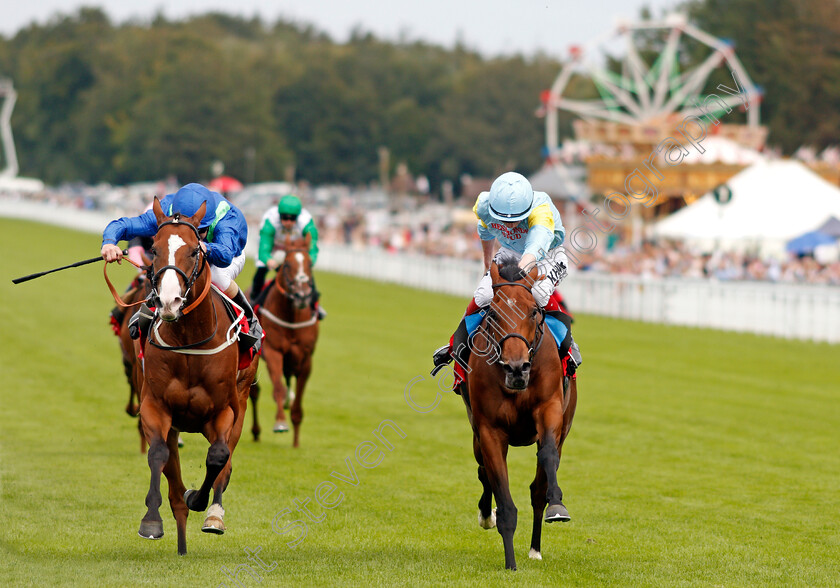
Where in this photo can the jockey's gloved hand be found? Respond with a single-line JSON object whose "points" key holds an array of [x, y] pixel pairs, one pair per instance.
{"points": [[484, 293], [542, 291]]}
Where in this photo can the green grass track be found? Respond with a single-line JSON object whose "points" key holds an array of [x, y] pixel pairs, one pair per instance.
{"points": [[697, 458]]}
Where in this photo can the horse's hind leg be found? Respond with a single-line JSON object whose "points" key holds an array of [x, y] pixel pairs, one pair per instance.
{"points": [[172, 471], [486, 517], [217, 457], [156, 424], [538, 501], [297, 405]]}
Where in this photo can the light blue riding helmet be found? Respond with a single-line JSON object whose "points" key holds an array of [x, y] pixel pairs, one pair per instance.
{"points": [[511, 197]]}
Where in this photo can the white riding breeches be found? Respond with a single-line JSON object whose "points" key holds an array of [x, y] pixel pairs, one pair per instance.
{"points": [[223, 276]]}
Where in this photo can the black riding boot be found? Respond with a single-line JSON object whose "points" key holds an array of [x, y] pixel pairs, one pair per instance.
{"points": [[316, 297], [140, 322], [259, 282], [444, 356], [253, 338]]}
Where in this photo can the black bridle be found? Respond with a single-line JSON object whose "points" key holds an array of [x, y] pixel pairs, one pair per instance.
{"points": [[533, 346], [288, 285], [198, 267]]}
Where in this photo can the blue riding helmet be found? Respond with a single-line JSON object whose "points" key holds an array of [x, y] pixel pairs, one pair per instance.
{"points": [[511, 197], [188, 200]]}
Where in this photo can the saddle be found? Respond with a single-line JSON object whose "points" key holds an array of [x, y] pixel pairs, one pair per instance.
{"points": [[140, 324]]}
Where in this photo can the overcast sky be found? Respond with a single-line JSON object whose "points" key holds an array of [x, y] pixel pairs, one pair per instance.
{"points": [[492, 27]]}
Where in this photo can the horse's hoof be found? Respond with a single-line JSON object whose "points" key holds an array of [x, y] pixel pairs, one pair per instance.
{"points": [[213, 525], [281, 427], [489, 522], [190, 495], [151, 529], [534, 554], [557, 513], [214, 522]]}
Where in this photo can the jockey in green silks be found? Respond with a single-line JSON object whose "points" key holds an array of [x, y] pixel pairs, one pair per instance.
{"points": [[288, 218]]}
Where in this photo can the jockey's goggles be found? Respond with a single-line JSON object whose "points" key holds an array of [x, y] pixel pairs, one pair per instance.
{"points": [[288, 217]]}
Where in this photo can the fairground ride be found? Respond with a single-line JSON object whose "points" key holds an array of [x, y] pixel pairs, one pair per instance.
{"points": [[648, 76]]}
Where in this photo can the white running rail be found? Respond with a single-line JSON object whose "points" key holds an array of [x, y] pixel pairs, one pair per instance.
{"points": [[791, 311]]}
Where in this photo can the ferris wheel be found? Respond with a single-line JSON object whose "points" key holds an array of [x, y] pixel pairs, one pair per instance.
{"points": [[648, 93]]}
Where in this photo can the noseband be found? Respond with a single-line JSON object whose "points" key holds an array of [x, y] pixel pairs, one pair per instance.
{"points": [[533, 346], [200, 263]]}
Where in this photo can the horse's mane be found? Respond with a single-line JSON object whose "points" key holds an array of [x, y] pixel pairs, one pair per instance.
{"points": [[511, 272]]}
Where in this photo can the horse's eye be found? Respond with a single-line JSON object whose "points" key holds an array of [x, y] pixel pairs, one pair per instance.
{"points": [[152, 252], [534, 313], [491, 314], [194, 252]]}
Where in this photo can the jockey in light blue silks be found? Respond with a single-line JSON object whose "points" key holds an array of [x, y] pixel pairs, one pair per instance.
{"points": [[530, 231]]}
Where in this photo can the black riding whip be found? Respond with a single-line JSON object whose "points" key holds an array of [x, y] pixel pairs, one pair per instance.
{"points": [[58, 269]]}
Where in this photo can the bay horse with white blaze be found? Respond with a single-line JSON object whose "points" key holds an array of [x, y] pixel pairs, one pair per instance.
{"points": [[192, 381], [291, 331], [514, 396]]}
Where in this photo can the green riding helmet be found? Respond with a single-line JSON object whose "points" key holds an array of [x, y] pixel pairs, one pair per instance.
{"points": [[289, 205]]}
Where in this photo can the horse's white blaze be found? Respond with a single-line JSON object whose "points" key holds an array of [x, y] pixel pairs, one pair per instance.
{"points": [[301, 275], [170, 288], [534, 554]]}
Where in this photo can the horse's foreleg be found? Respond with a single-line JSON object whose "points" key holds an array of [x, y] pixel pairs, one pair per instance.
{"points": [[550, 437], [297, 406], [494, 454], [218, 454], [274, 361], [214, 521], [156, 424], [172, 471], [538, 501], [254, 394]]}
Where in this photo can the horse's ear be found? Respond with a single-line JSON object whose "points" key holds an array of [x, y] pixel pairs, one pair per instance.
{"points": [[159, 215], [534, 274], [494, 272], [195, 220]]}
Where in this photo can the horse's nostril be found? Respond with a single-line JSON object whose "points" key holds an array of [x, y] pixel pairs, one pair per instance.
{"points": [[507, 368], [526, 366]]}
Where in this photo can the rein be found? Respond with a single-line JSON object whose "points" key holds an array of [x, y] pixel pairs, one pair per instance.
{"points": [[113, 290], [533, 346]]}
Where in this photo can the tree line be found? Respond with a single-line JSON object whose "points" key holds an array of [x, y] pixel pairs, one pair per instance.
{"points": [[106, 102]]}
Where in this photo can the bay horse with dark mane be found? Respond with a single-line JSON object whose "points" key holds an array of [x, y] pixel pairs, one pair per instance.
{"points": [[192, 381], [137, 292], [515, 396], [291, 331]]}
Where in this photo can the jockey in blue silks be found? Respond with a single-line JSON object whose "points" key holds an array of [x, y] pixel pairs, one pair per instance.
{"points": [[224, 235], [528, 227]]}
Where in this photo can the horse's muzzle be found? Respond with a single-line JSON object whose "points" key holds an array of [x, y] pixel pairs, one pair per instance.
{"points": [[517, 374]]}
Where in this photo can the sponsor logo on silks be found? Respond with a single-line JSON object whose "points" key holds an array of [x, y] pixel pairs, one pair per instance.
{"points": [[513, 234]]}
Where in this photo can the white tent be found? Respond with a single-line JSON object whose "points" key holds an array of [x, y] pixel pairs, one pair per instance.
{"points": [[772, 202]]}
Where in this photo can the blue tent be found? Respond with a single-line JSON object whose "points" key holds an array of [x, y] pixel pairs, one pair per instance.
{"points": [[808, 242]]}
